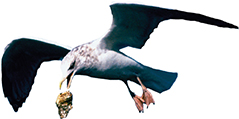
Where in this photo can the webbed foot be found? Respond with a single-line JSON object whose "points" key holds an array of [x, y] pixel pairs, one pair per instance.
{"points": [[139, 103]]}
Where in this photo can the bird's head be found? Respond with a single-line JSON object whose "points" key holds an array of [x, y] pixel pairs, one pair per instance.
{"points": [[77, 60], [69, 67]]}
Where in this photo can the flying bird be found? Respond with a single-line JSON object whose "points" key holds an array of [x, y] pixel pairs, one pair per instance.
{"points": [[132, 25]]}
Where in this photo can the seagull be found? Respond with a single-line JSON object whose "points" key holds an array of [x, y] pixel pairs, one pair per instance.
{"points": [[101, 58]]}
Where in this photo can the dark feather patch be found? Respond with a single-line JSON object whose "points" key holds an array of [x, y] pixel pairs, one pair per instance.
{"points": [[20, 62], [133, 24]]}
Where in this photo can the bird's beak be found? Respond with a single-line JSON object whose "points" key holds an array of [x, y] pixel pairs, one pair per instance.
{"points": [[69, 77]]}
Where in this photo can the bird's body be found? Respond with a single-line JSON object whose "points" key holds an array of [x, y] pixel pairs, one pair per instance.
{"points": [[92, 60], [103, 63], [132, 25]]}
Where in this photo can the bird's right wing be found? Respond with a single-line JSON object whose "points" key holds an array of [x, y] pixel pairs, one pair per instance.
{"points": [[133, 24], [20, 62]]}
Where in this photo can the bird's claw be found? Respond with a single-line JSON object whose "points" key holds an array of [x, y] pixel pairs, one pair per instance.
{"points": [[147, 97], [139, 103]]}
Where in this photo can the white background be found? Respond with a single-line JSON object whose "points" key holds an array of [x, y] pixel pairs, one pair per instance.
{"points": [[205, 56]]}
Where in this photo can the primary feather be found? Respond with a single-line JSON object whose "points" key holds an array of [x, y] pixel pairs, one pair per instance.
{"points": [[132, 24], [20, 62]]}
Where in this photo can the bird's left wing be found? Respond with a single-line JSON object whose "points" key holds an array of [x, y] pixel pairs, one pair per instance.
{"points": [[20, 62], [133, 24]]}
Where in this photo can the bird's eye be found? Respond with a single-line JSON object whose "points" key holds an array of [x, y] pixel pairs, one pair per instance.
{"points": [[72, 65]]}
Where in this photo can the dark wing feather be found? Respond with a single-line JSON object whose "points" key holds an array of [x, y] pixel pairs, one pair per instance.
{"points": [[133, 24], [20, 62]]}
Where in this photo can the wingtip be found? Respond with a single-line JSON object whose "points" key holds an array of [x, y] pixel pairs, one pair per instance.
{"points": [[15, 108], [16, 104], [229, 25], [234, 26]]}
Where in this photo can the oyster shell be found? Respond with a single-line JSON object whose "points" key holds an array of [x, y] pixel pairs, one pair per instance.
{"points": [[64, 103]]}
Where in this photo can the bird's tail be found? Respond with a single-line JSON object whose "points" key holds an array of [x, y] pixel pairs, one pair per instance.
{"points": [[157, 80]]}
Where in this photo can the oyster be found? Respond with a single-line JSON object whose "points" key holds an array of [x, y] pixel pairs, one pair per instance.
{"points": [[64, 103]]}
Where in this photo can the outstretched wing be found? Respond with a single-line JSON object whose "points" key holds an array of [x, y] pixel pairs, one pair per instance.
{"points": [[132, 24], [20, 62]]}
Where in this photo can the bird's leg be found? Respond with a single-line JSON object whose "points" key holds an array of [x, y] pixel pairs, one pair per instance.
{"points": [[146, 96], [138, 100]]}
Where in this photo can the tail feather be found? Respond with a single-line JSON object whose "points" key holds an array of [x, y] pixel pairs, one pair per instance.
{"points": [[157, 80]]}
